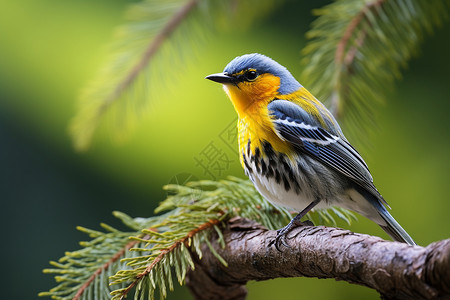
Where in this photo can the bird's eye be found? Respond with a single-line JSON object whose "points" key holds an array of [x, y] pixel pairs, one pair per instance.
{"points": [[251, 75]]}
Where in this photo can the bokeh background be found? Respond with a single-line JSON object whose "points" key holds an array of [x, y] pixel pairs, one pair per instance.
{"points": [[49, 50]]}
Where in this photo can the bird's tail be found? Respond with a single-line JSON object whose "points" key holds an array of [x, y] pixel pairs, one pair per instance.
{"points": [[383, 218], [394, 229]]}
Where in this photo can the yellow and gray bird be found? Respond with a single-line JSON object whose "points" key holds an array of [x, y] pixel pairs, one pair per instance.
{"points": [[292, 148]]}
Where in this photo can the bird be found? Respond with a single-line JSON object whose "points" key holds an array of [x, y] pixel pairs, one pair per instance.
{"points": [[293, 149]]}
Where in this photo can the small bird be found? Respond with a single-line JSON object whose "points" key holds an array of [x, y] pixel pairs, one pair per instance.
{"points": [[292, 148]]}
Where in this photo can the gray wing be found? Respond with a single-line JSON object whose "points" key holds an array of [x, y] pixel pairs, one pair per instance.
{"points": [[305, 132]]}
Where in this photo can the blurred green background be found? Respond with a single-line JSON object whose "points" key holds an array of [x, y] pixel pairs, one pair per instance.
{"points": [[50, 49]]}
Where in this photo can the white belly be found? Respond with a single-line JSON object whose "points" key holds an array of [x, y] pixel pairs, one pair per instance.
{"points": [[277, 194]]}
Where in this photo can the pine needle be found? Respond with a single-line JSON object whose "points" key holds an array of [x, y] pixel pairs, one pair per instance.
{"points": [[148, 53], [119, 262], [357, 50]]}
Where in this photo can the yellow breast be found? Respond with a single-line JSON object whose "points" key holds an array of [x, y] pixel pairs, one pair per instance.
{"points": [[259, 130], [250, 100]]}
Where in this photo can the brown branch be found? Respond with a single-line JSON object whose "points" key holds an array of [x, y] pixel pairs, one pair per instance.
{"points": [[151, 50], [351, 29], [164, 252], [341, 57], [395, 270], [351, 53]]}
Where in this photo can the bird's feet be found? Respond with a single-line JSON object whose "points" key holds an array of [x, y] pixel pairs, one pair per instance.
{"points": [[280, 239]]}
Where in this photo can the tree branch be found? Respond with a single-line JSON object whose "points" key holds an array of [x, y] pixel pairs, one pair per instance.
{"points": [[102, 269], [345, 54], [150, 51], [395, 270]]}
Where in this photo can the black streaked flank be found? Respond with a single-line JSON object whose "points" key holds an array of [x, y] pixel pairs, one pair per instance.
{"points": [[257, 153], [258, 169], [270, 172], [268, 150], [277, 176], [282, 160], [270, 154], [248, 148], [247, 166], [255, 159], [287, 167], [293, 180], [273, 163], [287, 186], [263, 167]]}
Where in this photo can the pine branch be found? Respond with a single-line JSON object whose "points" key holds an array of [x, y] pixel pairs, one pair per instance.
{"points": [[395, 270], [148, 52], [358, 48], [164, 252], [194, 213], [151, 25], [165, 243], [103, 268], [80, 272]]}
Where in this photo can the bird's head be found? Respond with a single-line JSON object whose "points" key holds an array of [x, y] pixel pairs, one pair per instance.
{"points": [[255, 78]]}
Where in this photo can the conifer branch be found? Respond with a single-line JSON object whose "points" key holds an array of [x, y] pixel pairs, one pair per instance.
{"points": [[146, 54], [351, 29], [111, 261], [357, 50], [150, 51], [164, 252], [103, 268], [346, 58]]}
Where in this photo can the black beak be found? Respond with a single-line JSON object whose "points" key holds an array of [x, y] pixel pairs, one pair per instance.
{"points": [[221, 78]]}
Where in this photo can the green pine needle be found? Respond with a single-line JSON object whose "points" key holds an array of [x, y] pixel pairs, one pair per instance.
{"points": [[150, 51], [357, 50], [115, 263]]}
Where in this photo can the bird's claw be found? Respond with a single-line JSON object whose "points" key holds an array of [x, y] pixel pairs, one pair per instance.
{"points": [[307, 223], [280, 239]]}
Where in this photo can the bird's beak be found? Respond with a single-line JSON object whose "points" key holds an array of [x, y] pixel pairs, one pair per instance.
{"points": [[221, 78]]}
